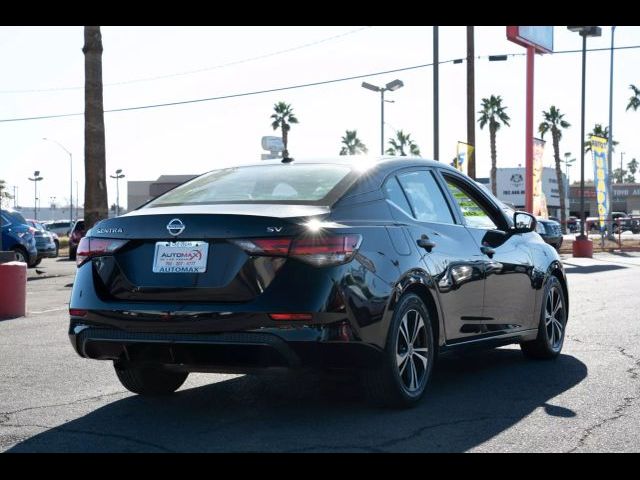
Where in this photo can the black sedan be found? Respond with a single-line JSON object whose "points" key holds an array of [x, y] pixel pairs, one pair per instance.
{"points": [[375, 265]]}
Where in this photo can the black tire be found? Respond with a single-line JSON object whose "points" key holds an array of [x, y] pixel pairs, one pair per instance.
{"points": [[36, 263], [57, 248], [72, 253], [21, 254], [150, 380], [390, 384], [547, 345]]}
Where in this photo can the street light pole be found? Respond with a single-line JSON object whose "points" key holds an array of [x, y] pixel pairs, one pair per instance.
{"points": [[582, 246], [610, 142], [36, 178], [391, 86], [621, 172], [70, 179], [118, 176]]}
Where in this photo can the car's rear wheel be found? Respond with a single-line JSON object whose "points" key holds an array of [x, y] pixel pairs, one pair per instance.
{"points": [[149, 380], [21, 254], [401, 379], [57, 248], [35, 263], [72, 253], [551, 329]]}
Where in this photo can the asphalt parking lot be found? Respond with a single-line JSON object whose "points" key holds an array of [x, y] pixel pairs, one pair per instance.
{"points": [[491, 401]]}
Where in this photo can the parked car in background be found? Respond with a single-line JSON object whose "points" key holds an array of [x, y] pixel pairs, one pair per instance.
{"points": [[624, 223], [573, 224], [77, 232], [621, 223], [550, 231], [47, 242], [18, 236], [59, 227], [374, 266]]}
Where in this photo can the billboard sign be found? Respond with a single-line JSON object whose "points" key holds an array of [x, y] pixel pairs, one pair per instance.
{"points": [[539, 37], [272, 144]]}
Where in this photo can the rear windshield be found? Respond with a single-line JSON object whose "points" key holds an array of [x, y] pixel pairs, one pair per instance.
{"points": [[316, 184]]}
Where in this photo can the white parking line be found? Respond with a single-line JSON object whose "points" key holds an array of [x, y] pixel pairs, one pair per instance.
{"points": [[47, 311]]}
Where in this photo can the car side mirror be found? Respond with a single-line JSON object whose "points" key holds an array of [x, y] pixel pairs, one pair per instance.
{"points": [[523, 222]]}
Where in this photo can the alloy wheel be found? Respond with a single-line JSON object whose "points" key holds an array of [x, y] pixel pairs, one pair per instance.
{"points": [[554, 317], [412, 352]]}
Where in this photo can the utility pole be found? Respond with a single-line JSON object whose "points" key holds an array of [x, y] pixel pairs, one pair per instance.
{"points": [[471, 102], [436, 98]]}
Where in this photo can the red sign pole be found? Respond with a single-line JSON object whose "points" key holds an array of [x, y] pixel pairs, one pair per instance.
{"points": [[528, 183]]}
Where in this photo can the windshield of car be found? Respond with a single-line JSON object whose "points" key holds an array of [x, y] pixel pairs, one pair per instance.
{"points": [[16, 217], [283, 183]]}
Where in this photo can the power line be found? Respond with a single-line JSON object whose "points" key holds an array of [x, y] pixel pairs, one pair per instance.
{"points": [[191, 72], [271, 90]]}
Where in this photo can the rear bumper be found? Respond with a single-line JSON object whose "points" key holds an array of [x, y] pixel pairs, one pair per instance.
{"points": [[48, 251], [228, 352]]}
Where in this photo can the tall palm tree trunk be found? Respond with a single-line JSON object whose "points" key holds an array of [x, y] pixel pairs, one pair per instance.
{"points": [[285, 142], [492, 135], [95, 187], [556, 155]]}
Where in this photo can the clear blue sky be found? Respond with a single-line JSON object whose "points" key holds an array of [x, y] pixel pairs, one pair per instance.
{"points": [[198, 137]]}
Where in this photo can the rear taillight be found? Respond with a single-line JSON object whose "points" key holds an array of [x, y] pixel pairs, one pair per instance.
{"points": [[93, 247], [265, 246], [285, 317], [320, 251]]}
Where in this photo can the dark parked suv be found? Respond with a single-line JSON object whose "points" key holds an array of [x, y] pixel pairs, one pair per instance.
{"points": [[378, 266]]}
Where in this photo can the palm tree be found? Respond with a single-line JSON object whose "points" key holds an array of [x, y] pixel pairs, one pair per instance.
{"points": [[4, 194], [95, 189], [282, 119], [352, 144], [495, 115], [402, 141], [634, 100], [554, 122], [598, 131]]}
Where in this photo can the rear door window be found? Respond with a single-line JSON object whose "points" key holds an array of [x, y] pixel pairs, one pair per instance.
{"points": [[426, 198]]}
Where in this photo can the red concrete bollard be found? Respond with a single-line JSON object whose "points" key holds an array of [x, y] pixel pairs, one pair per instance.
{"points": [[583, 247], [13, 289]]}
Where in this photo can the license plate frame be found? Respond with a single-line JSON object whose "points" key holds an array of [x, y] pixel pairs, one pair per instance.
{"points": [[180, 257]]}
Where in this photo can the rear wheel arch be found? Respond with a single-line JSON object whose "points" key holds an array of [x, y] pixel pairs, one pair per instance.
{"points": [[557, 272], [419, 285]]}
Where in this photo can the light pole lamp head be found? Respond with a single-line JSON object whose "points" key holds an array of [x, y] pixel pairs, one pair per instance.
{"points": [[394, 85], [586, 31], [368, 86], [36, 173], [118, 171]]}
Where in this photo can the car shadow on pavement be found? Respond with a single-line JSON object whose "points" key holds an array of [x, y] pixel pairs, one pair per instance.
{"points": [[571, 268], [471, 399]]}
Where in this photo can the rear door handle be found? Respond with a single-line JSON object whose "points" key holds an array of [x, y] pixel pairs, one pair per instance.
{"points": [[425, 243], [488, 251]]}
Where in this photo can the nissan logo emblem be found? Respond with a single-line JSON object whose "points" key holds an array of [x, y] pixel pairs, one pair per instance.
{"points": [[175, 227]]}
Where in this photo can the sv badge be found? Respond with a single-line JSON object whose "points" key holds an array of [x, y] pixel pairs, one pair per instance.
{"points": [[274, 229]]}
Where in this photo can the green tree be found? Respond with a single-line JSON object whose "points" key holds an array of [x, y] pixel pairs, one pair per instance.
{"points": [[632, 166], [598, 131], [282, 119], [554, 122], [494, 114], [351, 144], [618, 175], [634, 100], [95, 189], [400, 144]]}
